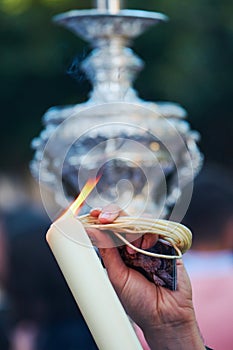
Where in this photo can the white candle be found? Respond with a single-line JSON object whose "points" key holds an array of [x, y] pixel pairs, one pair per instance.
{"points": [[90, 285]]}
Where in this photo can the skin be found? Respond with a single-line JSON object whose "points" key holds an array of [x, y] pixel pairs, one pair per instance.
{"points": [[167, 318]]}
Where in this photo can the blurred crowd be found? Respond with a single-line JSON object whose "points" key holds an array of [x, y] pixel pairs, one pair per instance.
{"points": [[37, 310], [210, 261]]}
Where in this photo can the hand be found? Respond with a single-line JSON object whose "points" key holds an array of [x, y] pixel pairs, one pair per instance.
{"points": [[166, 317]]}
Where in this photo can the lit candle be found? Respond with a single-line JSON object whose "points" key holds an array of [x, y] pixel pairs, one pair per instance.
{"points": [[89, 283]]}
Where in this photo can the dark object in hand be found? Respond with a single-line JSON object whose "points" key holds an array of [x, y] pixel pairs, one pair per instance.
{"points": [[158, 270]]}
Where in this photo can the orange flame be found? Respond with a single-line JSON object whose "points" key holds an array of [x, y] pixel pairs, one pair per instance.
{"points": [[86, 190]]}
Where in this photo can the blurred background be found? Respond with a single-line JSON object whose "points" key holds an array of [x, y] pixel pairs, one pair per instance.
{"points": [[188, 61]]}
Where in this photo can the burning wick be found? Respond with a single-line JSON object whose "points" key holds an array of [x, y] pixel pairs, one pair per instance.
{"points": [[87, 189]]}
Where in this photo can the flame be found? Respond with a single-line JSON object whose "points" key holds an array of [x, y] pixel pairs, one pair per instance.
{"points": [[86, 190]]}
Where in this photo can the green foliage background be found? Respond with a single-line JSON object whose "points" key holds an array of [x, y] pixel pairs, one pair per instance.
{"points": [[189, 60]]}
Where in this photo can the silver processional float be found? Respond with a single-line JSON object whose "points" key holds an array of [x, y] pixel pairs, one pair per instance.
{"points": [[144, 151]]}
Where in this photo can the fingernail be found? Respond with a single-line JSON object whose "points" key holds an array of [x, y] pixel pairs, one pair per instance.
{"points": [[95, 212]]}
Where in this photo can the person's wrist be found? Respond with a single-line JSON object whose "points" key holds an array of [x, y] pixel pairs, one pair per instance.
{"points": [[173, 336]]}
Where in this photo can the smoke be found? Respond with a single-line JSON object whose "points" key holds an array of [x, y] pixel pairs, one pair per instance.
{"points": [[74, 68]]}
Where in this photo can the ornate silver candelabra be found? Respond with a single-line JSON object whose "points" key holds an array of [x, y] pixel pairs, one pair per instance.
{"points": [[144, 151]]}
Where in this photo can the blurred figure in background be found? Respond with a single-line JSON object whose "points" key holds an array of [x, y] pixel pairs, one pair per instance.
{"points": [[4, 341], [210, 261], [42, 311]]}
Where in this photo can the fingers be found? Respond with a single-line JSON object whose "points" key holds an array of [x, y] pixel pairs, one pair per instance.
{"points": [[145, 242], [100, 238], [137, 243], [117, 270], [105, 216], [108, 214], [149, 240], [182, 277], [95, 212]]}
